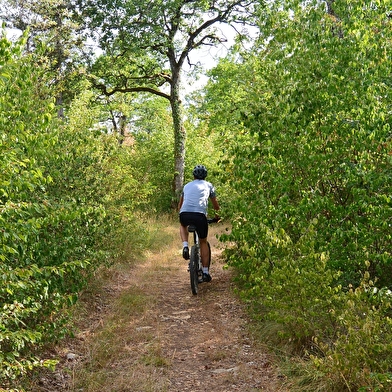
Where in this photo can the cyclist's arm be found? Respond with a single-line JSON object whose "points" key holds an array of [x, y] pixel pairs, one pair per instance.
{"points": [[215, 203], [180, 202]]}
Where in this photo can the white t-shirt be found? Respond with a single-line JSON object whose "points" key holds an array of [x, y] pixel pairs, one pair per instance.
{"points": [[196, 194]]}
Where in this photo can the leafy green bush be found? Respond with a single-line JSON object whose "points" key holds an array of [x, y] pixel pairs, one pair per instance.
{"points": [[67, 193], [25, 287], [359, 356], [309, 167]]}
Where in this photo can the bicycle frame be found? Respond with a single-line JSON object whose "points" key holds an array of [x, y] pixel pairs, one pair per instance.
{"points": [[195, 265]]}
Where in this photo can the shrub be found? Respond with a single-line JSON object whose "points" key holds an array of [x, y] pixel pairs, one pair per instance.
{"points": [[65, 189], [309, 173]]}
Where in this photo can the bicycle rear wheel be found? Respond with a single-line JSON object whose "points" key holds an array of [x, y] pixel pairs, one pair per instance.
{"points": [[193, 269], [209, 254]]}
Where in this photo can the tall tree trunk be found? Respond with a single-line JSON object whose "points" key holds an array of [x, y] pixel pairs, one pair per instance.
{"points": [[179, 136], [122, 123]]}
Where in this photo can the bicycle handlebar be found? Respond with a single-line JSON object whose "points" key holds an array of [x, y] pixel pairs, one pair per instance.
{"points": [[213, 220]]}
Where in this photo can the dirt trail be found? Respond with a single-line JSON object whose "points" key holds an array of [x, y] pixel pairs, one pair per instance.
{"points": [[180, 343]]}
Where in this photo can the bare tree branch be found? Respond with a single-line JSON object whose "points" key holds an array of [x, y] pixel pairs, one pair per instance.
{"points": [[103, 88]]}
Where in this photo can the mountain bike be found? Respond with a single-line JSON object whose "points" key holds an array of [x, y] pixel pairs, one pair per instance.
{"points": [[195, 266]]}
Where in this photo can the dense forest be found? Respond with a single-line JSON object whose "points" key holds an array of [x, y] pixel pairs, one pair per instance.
{"points": [[98, 130]]}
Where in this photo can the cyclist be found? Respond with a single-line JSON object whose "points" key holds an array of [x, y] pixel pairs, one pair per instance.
{"points": [[193, 211]]}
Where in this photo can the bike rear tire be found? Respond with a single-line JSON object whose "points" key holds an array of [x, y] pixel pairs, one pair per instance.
{"points": [[209, 254], [193, 270]]}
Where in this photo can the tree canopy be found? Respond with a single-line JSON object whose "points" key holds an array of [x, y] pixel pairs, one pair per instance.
{"points": [[145, 48]]}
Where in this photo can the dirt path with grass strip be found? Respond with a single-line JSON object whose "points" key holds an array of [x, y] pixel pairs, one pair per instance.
{"points": [[146, 332]]}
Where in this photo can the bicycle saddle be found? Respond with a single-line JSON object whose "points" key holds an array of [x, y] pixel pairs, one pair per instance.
{"points": [[191, 228]]}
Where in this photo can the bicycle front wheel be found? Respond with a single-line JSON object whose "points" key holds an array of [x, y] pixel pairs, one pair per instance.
{"points": [[193, 270]]}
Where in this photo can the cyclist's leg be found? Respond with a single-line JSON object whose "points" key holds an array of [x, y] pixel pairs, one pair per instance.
{"points": [[204, 252], [184, 222], [184, 233], [205, 259], [202, 230]]}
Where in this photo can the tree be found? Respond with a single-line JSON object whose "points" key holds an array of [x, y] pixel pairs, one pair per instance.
{"points": [[54, 31], [146, 46]]}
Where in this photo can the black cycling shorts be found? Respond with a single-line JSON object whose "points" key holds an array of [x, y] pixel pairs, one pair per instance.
{"points": [[198, 219]]}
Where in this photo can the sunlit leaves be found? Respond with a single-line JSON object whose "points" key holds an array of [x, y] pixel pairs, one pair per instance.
{"points": [[64, 188], [309, 131]]}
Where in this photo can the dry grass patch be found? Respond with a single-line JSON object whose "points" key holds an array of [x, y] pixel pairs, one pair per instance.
{"points": [[126, 347], [108, 345], [137, 329]]}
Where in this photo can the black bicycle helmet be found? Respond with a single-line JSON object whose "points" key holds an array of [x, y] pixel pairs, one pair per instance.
{"points": [[200, 172]]}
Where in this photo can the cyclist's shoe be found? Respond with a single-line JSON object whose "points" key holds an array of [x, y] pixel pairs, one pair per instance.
{"points": [[185, 253], [207, 278]]}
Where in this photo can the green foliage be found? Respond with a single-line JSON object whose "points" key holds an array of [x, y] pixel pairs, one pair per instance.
{"points": [[26, 285], [201, 151], [150, 144], [67, 202], [145, 49], [54, 36], [359, 356], [307, 147]]}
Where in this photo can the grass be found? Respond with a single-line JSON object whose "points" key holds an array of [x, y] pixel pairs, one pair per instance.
{"points": [[122, 343], [109, 344], [111, 347], [154, 356]]}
